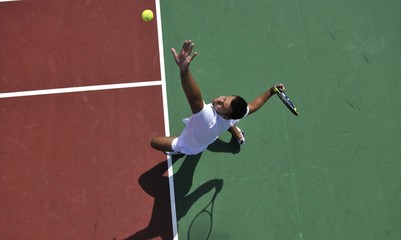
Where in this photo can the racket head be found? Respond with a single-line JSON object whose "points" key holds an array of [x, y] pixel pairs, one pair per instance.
{"points": [[286, 100]]}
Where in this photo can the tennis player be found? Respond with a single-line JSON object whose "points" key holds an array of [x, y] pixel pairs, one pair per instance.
{"points": [[208, 121]]}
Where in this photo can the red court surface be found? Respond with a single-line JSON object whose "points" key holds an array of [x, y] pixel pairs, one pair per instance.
{"points": [[76, 165]]}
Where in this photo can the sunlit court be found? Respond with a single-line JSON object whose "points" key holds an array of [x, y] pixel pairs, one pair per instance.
{"points": [[86, 86]]}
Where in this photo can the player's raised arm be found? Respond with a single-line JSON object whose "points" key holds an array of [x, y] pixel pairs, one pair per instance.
{"points": [[190, 87]]}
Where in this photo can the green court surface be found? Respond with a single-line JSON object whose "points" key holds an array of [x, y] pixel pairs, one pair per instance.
{"points": [[334, 171]]}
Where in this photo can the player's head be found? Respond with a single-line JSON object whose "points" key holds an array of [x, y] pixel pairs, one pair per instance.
{"points": [[230, 107]]}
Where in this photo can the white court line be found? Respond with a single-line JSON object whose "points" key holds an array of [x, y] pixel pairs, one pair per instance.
{"points": [[79, 89], [10, 0], [166, 122]]}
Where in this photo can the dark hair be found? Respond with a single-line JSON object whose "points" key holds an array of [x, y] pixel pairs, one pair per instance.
{"points": [[238, 108]]}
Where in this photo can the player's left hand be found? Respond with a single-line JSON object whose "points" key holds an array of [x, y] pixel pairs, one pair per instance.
{"points": [[185, 57]]}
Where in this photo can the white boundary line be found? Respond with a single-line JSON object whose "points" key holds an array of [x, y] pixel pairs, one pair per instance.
{"points": [[80, 89], [166, 121]]}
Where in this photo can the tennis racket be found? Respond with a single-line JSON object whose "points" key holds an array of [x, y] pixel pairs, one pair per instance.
{"points": [[201, 225], [284, 98]]}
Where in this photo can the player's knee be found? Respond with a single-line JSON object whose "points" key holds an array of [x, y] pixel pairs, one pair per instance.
{"points": [[158, 143], [154, 143], [162, 143]]}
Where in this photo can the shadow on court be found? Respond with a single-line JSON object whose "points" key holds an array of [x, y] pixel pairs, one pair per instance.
{"points": [[155, 183]]}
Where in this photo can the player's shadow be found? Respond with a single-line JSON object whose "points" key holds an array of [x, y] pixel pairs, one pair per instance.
{"points": [[229, 147], [156, 184]]}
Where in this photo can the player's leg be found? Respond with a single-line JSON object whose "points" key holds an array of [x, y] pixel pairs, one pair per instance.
{"points": [[237, 134], [162, 143]]}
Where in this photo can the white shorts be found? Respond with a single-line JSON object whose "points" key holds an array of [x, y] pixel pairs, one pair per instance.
{"points": [[180, 148], [174, 146]]}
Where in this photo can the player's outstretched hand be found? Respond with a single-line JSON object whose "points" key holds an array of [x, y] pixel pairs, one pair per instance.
{"points": [[185, 57]]}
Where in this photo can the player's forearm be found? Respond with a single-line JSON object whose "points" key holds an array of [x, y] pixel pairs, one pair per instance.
{"points": [[258, 102], [191, 90]]}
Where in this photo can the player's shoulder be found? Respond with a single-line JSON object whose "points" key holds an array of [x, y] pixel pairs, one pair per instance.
{"points": [[206, 110]]}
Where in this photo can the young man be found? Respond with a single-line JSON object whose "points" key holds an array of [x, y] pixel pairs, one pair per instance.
{"points": [[208, 121]]}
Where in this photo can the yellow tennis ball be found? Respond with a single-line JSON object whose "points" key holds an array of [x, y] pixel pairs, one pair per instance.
{"points": [[147, 15]]}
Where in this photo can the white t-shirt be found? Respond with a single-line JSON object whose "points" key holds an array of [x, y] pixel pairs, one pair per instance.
{"points": [[202, 129]]}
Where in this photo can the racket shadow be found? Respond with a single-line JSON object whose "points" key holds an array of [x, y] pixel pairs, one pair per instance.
{"points": [[201, 225], [155, 183]]}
